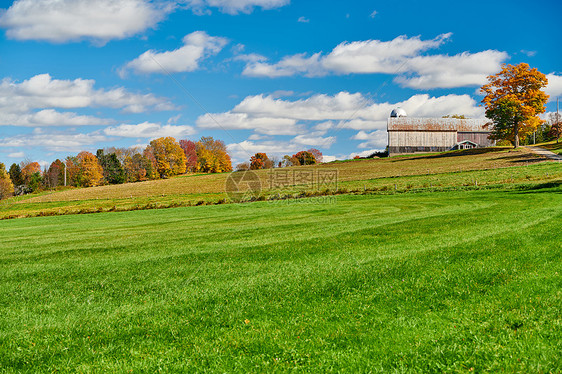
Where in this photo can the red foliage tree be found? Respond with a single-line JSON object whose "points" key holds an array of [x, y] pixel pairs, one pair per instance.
{"points": [[190, 150], [317, 154]]}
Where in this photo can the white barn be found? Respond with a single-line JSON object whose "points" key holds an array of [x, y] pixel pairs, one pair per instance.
{"points": [[414, 135]]}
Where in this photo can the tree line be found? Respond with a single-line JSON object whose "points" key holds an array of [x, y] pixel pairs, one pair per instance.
{"points": [[263, 161], [162, 158]]}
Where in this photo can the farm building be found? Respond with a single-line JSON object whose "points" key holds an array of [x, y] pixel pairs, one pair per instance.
{"points": [[412, 135]]}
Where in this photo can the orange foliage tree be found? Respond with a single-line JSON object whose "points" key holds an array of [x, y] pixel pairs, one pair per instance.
{"points": [[514, 99], [28, 169], [168, 156], [260, 161]]}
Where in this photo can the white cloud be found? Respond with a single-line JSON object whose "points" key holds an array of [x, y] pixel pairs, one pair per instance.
{"points": [[303, 19], [50, 117], [373, 14], [197, 46], [41, 91], [16, 155], [234, 6], [243, 121], [376, 139], [69, 20], [352, 110], [149, 130], [370, 56], [32, 102], [288, 66], [314, 141], [554, 87], [400, 56], [464, 69], [55, 142]]}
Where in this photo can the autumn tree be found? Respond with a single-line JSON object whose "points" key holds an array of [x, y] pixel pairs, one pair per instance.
{"points": [[260, 161], [514, 99], [6, 185], [55, 174], [317, 154], [138, 168], [31, 175], [555, 121], [305, 158], [113, 172], [84, 170], [212, 156], [168, 156], [190, 150]]}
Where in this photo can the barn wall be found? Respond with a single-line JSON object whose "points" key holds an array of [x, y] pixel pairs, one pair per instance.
{"points": [[422, 138], [480, 138]]}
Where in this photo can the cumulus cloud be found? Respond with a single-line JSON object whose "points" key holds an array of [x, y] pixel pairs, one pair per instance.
{"points": [[50, 117], [233, 6], [244, 121], [303, 19], [554, 87], [351, 110], [42, 91], [370, 56], [16, 155], [464, 69], [376, 139], [400, 56], [32, 101], [55, 142], [196, 47], [149, 130], [70, 20]]}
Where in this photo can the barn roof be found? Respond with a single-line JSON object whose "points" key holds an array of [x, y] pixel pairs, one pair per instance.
{"points": [[438, 124]]}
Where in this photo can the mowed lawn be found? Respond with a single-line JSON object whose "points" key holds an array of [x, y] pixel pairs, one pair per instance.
{"points": [[430, 282]]}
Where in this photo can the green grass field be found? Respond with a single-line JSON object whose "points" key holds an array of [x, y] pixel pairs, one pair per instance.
{"points": [[458, 281]]}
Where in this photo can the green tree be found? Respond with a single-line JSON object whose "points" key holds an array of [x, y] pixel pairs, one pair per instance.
{"points": [[15, 174], [113, 171]]}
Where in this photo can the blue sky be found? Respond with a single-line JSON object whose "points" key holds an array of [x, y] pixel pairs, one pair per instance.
{"points": [[273, 76]]}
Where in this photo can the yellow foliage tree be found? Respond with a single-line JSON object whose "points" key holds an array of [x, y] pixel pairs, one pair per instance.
{"points": [[6, 185], [212, 156], [168, 155], [89, 169], [514, 99]]}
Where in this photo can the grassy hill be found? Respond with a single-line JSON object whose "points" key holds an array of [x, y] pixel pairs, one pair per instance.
{"points": [[460, 169], [455, 281]]}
